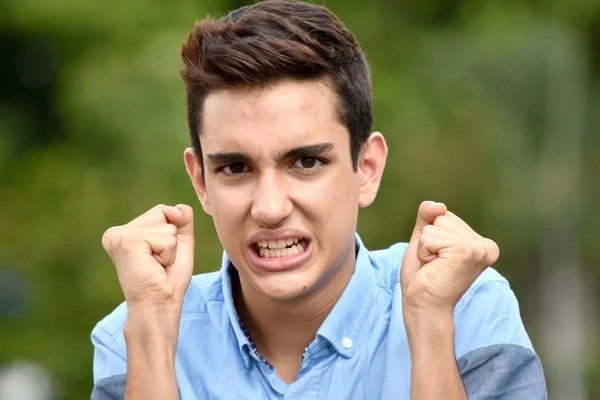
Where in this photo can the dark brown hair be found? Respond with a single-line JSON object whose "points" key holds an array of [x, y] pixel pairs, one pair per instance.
{"points": [[273, 40]]}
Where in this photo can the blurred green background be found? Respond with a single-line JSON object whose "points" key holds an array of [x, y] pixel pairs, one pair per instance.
{"points": [[491, 107]]}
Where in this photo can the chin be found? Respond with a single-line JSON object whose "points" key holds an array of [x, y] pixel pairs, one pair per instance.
{"points": [[285, 288]]}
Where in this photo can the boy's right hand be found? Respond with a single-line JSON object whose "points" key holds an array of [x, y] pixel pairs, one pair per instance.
{"points": [[154, 258]]}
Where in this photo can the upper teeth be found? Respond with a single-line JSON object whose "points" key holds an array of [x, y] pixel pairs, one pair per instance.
{"points": [[278, 244]]}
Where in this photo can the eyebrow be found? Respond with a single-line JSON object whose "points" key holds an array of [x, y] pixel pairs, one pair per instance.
{"points": [[312, 150], [223, 158]]}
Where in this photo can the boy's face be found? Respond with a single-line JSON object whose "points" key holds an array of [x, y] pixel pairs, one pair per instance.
{"points": [[280, 186]]}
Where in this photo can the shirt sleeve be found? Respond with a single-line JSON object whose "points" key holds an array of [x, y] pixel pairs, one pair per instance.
{"points": [[495, 356], [110, 366]]}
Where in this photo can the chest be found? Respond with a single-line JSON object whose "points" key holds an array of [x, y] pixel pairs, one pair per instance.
{"points": [[378, 370]]}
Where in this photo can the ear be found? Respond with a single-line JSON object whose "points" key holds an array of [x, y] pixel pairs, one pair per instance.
{"points": [[194, 170], [371, 163]]}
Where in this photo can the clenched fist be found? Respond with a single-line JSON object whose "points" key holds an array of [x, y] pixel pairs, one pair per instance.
{"points": [[443, 259], [154, 256]]}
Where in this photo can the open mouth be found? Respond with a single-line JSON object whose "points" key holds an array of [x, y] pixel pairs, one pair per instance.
{"points": [[280, 248]]}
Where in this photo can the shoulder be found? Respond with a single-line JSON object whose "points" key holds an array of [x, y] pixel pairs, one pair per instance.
{"points": [[493, 350], [492, 347], [203, 288], [110, 352], [488, 314], [386, 264]]}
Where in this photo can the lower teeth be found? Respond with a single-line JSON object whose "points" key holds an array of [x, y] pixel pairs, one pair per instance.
{"points": [[287, 252]]}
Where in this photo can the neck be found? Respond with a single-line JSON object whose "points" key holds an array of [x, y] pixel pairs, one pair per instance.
{"points": [[281, 329]]}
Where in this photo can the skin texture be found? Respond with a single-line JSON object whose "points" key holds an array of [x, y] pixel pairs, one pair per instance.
{"points": [[154, 258], [272, 193], [256, 182], [443, 259]]}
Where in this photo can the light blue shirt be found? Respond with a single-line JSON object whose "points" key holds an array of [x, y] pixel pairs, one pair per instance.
{"points": [[359, 352]]}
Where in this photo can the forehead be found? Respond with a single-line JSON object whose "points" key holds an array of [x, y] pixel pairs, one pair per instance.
{"points": [[287, 113]]}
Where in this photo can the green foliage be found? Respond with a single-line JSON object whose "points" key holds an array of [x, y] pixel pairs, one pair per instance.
{"points": [[93, 128]]}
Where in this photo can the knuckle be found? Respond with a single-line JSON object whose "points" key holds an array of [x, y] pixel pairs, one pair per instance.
{"points": [[106, 238], [184, 207], [440, 221], [424, 240], [492, 245], [109, 236], [171, 242], [467, 249], [171, 229], [477, 250], [493, 250], [154, 211], [126, 238], [454, 216], [428, 230]]}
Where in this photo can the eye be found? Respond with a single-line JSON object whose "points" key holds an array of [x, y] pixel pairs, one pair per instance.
{"points": [[235, 168], [308, 163]]}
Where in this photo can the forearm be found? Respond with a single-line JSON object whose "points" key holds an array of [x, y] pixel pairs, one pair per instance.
{"points": [[434, 372], [151, 346]]}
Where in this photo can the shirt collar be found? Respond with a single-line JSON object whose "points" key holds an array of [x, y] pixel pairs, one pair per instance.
{"points": [[342, 325]]}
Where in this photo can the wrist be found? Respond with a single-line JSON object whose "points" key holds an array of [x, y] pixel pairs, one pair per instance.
{"points": [[154, 310], [145, 328], [430, 327], [151, 343], [434, 371]]}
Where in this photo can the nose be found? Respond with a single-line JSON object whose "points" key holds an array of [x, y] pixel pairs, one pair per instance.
{"points": [[271, 203]]}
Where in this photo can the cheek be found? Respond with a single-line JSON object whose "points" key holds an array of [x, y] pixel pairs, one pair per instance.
{"points": [[337, 195], [227, 208]]}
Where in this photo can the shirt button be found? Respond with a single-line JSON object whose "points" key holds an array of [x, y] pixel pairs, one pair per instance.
{"points": [[347, 342]]}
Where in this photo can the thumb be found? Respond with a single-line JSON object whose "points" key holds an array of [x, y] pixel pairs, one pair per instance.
{"points": [[185, 223], [182, 216], [426, 215]]}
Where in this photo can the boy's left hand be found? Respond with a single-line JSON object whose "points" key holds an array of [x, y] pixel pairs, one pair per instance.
{"points": [[443, 259]]}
